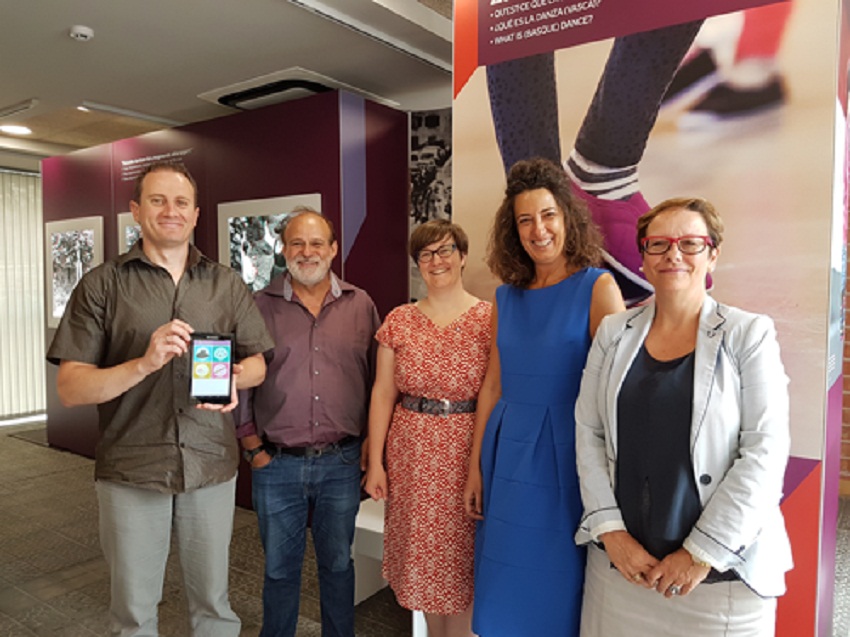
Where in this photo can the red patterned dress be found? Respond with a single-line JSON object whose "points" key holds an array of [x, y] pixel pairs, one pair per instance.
{"points": [[428, 540]]}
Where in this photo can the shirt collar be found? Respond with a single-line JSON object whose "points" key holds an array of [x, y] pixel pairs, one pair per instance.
{"points": [[135, 253]]}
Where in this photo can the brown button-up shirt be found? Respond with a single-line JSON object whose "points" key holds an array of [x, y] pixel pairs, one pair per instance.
{"points": [[152, 436], [319, 380]]}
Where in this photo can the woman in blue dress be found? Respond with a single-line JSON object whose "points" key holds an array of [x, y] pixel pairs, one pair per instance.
{"points": [[522, 484]]}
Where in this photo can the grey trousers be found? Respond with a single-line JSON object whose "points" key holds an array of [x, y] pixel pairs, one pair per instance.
{"points": [[135, 535]]}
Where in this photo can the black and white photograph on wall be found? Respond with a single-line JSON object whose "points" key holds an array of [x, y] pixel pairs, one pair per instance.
{"points": [[430, 166], [128, 232], [430, 176], [255, 248], [249, 237], [73, 247]]}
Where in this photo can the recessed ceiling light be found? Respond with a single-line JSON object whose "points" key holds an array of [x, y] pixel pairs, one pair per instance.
{"points": [[84, 109], [126, 112], [12, 129]]}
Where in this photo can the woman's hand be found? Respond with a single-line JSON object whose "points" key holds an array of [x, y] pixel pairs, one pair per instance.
{"points": [[677, 574], [629, 557], [375, 482], [472, 502]]}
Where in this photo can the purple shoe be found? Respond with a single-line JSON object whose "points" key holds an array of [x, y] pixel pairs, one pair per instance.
{"points": [[618, 222]]}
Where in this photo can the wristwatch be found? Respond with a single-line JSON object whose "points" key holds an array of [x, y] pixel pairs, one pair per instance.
{"points": [[250, 454]]}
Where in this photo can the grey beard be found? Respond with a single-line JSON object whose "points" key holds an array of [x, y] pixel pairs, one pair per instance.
{"points": [[308, 281]]}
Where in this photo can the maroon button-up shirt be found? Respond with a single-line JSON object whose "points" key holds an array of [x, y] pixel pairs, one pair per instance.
{"points": [[320, 376]]}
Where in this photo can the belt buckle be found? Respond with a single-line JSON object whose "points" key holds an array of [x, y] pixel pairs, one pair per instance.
{"points": [[313, 452], [445, 407]]}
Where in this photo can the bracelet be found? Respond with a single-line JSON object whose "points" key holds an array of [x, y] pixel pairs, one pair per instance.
{"points": [[700, 562]]}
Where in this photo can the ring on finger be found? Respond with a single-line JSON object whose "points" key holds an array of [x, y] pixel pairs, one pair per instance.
{"points": [[675, 589], [637, 577]]}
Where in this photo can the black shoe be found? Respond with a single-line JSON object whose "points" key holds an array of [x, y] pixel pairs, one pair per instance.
{"points": [[694, 78], [727, 103]]}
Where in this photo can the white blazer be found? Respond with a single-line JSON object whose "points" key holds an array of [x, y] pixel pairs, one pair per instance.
{"points": [[739, 439]]}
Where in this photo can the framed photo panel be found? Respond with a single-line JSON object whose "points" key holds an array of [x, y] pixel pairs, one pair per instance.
{"points": [[72, 248], [128, 231], [248, 238]]}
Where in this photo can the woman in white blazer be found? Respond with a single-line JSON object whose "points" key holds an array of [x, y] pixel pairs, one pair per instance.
{"points": [[682, 440]]}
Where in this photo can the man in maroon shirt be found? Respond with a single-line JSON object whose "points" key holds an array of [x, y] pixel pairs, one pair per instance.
{"points": [[301, 428]]}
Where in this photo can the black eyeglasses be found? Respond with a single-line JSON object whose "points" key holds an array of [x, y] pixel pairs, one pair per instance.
{"points": [[688, 244], [425, 256]]}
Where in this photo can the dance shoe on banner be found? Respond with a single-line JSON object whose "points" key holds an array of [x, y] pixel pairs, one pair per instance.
{"points": [[727, 103], [696, 76], [617, 220]]}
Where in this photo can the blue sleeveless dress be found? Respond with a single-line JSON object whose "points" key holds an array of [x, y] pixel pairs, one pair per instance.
{"points": [[529, 573]]}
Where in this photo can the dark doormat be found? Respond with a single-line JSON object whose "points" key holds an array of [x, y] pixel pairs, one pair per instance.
{"points": [[37, 436]]}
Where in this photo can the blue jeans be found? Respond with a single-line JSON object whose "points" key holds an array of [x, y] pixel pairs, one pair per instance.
{"points": [[283, 493]]}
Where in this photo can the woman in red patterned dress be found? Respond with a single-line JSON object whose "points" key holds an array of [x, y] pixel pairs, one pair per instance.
{"points": [[431, 363]]}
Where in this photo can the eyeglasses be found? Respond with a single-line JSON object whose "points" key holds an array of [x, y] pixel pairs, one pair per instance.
{"points": [[688, 244], [425, 256]]}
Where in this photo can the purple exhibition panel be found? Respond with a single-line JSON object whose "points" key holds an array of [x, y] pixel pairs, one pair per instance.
{"points": [[280, 150], [352, 152], [377, 259], [511, 29], [78, 188], [71, 189]]}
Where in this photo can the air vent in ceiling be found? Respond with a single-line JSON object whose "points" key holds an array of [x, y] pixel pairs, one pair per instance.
{"points": [[20, 107], [273, 88]]}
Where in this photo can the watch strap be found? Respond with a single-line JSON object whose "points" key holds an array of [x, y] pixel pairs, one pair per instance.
{"points": [[250, 454]]}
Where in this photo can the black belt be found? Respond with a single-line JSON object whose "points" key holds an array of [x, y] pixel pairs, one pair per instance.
{"points": [[308, 452], [437, 406]]}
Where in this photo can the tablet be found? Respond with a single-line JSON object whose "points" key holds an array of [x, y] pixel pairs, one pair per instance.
{"points": [[211, 358]]}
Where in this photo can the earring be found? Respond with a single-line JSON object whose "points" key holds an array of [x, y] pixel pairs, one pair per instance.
{"points": [[640, 268]]}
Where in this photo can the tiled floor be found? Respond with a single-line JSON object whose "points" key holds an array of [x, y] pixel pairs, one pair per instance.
{"points": [[53, 580]]}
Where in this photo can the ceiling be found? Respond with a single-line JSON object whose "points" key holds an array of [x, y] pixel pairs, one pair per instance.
{"points": [[161, 63]]}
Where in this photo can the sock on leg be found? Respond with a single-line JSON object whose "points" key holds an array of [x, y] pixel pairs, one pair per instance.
{"points": [[602, 181]]}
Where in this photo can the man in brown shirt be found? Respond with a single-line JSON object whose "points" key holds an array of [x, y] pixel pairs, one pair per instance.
{"points": [[161, 461], [301, 428]]}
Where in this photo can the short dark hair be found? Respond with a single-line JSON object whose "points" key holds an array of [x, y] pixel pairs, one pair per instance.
{"points": [[506, 257], [437, 230], [703, 207], [304, 210], [173, 166]]}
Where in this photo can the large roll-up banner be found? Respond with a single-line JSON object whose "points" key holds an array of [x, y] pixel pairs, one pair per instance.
{"points": [[754, 121]]}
